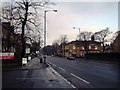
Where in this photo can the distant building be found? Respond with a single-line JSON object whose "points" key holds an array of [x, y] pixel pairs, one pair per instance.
{"points": [[116, 44], [80, 48]]}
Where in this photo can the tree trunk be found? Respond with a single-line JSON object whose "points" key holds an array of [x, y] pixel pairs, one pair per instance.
{"points": [[103, 48], [23, 32], [86, 47], [8, 42]]}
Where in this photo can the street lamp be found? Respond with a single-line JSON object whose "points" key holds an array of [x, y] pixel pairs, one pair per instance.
{"points": [[45, 12], [79, 31]]}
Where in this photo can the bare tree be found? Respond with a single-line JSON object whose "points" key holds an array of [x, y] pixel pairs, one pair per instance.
{"points": [[56, 42], [55, 46], [23, 14], [85, 36], [101, 36], [60, 43], [63, 40]]}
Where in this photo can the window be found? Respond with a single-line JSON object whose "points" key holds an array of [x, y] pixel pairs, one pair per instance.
{"points": [[70, 50], [89, 47], [73, 47], [83, 48], [96, 47]]}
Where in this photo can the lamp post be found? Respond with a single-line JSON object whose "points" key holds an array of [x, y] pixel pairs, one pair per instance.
{"points": [[45, 15], [79, 31]]}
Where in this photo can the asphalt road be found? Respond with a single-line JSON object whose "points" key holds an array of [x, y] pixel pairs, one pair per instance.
{"points": [[86, 73]]}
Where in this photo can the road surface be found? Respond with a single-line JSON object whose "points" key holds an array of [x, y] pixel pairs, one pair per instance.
{"points": [[86, 73]]}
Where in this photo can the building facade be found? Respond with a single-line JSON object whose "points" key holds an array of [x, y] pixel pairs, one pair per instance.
{"points": [[10, 40], [116, 44], [80, 48]]}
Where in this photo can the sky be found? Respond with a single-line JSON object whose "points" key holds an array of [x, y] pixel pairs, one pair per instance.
{"points": [[88, 16]]}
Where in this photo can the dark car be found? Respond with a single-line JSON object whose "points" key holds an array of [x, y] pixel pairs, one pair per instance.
{"points": [[71, 57]]}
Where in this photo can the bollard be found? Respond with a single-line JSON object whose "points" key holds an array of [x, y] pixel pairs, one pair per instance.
{"points": [[45, 57], [41, 60]]}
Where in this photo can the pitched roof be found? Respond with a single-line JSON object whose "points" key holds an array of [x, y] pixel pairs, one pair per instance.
{"points": [[84, 42]]}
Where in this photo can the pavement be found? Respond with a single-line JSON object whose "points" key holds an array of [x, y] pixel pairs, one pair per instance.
{"points": [[33, 75]]}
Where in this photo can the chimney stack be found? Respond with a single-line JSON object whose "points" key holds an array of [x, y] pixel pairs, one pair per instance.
{"points": [[92, 38]]}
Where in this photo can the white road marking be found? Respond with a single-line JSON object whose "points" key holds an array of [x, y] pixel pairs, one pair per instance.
{"points": [[63, 78], [79, 78], [62, 69], [50, 62], [73, 86], [102, 67], [54, 65], [69, 83], [54, 71]]}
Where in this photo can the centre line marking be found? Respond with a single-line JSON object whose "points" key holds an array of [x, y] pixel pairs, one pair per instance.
{"points": [[79, 78], [62, 69]]}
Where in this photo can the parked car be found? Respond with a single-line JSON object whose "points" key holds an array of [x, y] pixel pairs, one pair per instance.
{"points": [[71, 57]]}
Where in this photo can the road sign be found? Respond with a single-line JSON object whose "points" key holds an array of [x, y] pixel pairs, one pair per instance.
{"points": [[24, 61]]}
